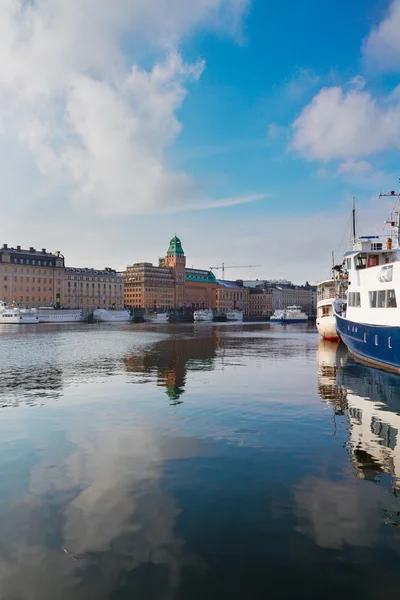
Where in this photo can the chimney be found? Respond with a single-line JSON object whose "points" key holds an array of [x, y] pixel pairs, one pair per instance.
{"points": [[5, 246], [18, 247], [44, 250], [31, 249]]}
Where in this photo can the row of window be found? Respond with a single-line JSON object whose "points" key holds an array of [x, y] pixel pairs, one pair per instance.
{"points": [[383, 299], [33, 261], [377, 299], [354, 299]]}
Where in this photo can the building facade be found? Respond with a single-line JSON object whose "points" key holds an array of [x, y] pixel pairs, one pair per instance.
{"points": [[31, 277], [260, 301], [89, 289], [232, 295], [170, 285]]}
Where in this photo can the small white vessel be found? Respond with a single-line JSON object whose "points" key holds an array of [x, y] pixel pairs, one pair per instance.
{"points": [[157, 318], [48, 314], [331, 297], [205, 314], [17, 316], [291, 314], [111, 316], [234, 315]]}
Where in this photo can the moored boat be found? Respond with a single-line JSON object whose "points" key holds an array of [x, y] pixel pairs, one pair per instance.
{"points": [[111, 316], [291, 314], [234, 315], [370, 324], [157, 318], [204, 314], [48, 314], [13, 315], [331, 296]]}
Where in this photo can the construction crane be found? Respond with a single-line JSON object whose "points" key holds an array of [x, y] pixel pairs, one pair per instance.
{"points": [[223, 267]]}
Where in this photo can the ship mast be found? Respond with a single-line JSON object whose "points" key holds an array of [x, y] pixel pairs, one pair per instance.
{"points": [[354, 221], [395, 225]]}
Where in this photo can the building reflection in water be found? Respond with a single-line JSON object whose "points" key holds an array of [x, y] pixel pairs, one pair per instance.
{"points": [[370, 398], [170, 359]]}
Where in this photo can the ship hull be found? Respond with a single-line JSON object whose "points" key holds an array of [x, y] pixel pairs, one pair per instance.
{"points": [[327, 328], [377, 345], [286, 321]]}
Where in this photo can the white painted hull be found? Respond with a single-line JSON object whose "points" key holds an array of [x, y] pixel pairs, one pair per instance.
{"points": [[203, 315], [327, 328], [15, 316], [235, 315], [60, 316], [111, 316], [158, 318]]}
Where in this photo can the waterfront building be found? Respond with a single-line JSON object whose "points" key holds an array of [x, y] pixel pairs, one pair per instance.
{"points": [[93, 288], [260, 301], [148, 286], [232, 295], [170, 284], [31, 277]]}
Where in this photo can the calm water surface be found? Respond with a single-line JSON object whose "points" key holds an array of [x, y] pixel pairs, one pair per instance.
{"points": [[195, 462]]}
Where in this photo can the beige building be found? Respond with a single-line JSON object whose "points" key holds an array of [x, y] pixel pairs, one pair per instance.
{"points": [[150, 287], [232, 295], [260, 300], [91, 288], [170, 284], [31, 277]]}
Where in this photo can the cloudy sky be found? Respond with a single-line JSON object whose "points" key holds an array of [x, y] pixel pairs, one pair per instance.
{"points": [[244, 126]]}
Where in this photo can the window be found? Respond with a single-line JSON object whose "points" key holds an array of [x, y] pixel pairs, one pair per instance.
{"points": [[373, 299], [391, 299], [381, 299]]}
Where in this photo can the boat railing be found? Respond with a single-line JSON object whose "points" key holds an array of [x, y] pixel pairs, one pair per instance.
{"points": [[326, 294]]}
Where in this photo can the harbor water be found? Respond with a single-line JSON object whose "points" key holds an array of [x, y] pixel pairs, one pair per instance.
{"points": [[203, 461]]}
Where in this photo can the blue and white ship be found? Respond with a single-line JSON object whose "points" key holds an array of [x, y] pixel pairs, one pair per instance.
{"points": [[291, 314], [370, 323]]}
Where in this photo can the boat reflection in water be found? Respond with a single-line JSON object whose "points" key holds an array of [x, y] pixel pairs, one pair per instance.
{"points": [[370, 399]]}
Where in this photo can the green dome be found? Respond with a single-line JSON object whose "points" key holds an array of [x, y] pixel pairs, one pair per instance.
{"points": [[175, 247]]}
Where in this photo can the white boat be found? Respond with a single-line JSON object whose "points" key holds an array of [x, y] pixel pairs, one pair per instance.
{"points": [[157, 318], [331, 297], [291, 314], [204, 314], [13, 315], [234, 315], [370, 325], [111, 316], [48, 314]]}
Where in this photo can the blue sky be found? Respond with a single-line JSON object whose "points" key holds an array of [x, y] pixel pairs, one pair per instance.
{"points": [[245, 126]]}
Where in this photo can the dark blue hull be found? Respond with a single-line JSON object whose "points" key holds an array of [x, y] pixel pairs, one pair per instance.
{"points": [[287, 321], [376, 344]]}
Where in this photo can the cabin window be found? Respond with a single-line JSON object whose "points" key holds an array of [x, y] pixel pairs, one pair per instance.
{"points": [[373, 260], [354, 299], [361, 262], [381, 298], [325, 311], [391, 299], [373, 299], [376, 246], [348, 263]]}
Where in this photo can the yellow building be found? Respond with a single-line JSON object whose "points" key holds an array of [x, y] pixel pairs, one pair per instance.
{"points": [[170, 284], [91, 288], [232, 295], [31, 277]]}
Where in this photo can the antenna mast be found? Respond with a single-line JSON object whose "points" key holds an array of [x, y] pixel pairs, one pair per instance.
{"points": [[354, 220]]}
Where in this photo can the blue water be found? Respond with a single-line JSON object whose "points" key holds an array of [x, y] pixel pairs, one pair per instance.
{"points": [[194, 461]]}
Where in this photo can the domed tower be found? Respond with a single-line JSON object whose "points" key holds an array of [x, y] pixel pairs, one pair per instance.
{"points": [[177, 260]]}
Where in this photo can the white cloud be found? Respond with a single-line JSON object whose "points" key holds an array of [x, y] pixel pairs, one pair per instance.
{"points": [[95, 121], [381, 49], [340, 124], [355, 167]]}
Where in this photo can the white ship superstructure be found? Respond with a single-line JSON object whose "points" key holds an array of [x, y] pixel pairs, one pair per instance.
{"points": [[111, 316], [204, 314], [13, 315], [331, 297], [291, 314], [53, 315]]}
